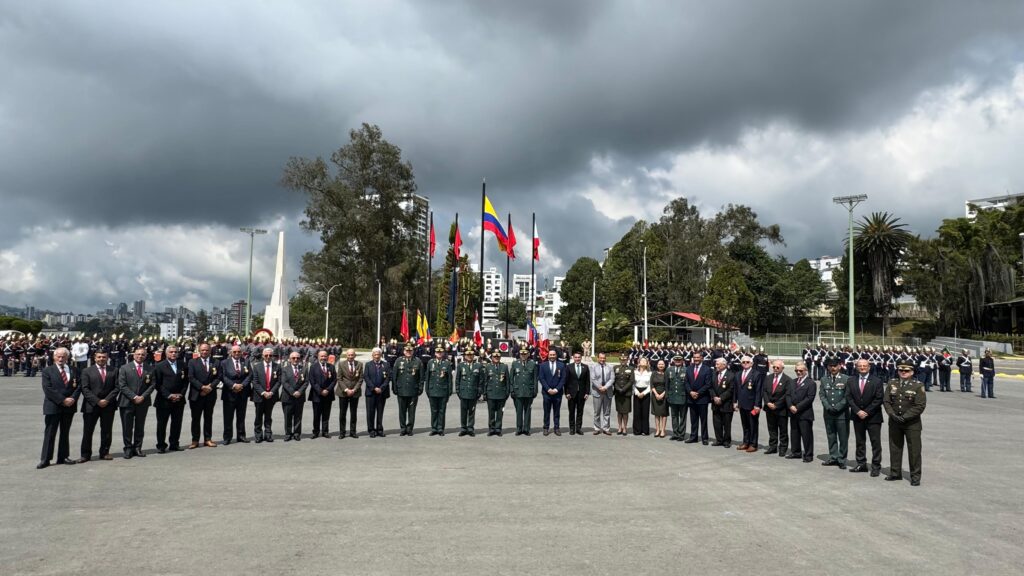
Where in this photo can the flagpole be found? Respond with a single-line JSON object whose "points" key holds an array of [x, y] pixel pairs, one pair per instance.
{"points": [[508, 263], [533, 293], [430, 263], [483, 208]]}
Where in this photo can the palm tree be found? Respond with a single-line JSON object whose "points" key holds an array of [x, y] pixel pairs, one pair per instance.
{"points": [[880, 242]]}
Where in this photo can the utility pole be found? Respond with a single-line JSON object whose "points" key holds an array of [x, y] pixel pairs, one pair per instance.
{"points": [[252, 232], [850, 202]]}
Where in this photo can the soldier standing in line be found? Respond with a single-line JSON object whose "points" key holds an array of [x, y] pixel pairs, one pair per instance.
{"points": [[439, 388], [836, 414], [496, 390], [523, 376], [677, 397], [467, 387], [904, 402], [408, 385]]}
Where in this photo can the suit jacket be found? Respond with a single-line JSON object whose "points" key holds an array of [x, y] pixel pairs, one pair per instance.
{"points": [[229, 377], [55, 391], [130, 385], [259, 381], [701, 384], [577, 386], [95, 389], [320, 380], [349, 379], [551, 380], [199, 376], [801, 393], [870, 401], [747, 392], [170, 382], [375, 377], [292, 383], [602, 377], [779, 396], [723, 388]]}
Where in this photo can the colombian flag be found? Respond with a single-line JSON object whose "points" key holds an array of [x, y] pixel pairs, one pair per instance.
{"points": [[493, 224]]}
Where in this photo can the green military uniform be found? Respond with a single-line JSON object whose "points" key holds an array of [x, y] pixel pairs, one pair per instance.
{"points": [[676, 386], [523, 376], [468, 377], [496, 389], [407, 383], [623, 386], [836, 413], [904, 402], [439, 387]]}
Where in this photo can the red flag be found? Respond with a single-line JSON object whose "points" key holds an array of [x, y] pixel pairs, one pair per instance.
{"points": [[457, 244], [511, 244], [433, 242], [478, 336], [536, 243], [404, 330]]}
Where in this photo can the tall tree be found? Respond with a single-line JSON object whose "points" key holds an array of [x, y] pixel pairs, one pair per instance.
{"points": [[356, 204], [516, 312], [799, 291], [880, 241], [728, 299], [576, 292]]}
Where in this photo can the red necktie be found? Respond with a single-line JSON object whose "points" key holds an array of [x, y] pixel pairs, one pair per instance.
{"points": [[696, 369], [268, 377], [64, 376], [775, 384], [138, 370], [103, 374], [862, 384]]}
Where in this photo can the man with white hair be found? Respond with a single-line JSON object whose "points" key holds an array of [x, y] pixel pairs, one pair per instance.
{"points": [[60, 400], [747, 398], [235, 379], [322, 379], [266, 384], [171, 376]]}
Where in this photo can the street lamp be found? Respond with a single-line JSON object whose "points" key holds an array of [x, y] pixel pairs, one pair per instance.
{"points": [[593, 318], [850, 202], [327, 309], [378, 314], [252, 232], [645, 289]]}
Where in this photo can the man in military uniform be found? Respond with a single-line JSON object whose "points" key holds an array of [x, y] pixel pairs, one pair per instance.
{"points": [[467, 386], [966, 367], [904, 401], [496, 390], [836, 414], [408, 385], [675, 386], [439, 388], [523, 376]]}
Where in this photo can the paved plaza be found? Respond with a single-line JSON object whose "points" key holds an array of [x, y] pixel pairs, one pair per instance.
{"points": [[513, 505]]}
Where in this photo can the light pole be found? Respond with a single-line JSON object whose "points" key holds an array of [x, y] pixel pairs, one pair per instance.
{"points": [[645, 290], [378, 315], [252, 232], [593, 318], [850, 202], [327, 309]]}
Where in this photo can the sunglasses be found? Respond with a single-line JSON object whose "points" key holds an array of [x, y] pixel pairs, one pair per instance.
{"points": [[904, 370]]}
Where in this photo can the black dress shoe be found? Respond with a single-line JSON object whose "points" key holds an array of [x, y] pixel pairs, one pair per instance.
{"points": [[315, 435], [727, 444], [715, 443], [792, 456], [161, 450], [353, 435], [432, 433], [859, 468], [341, 435], [875, 473], [288, 438], [373, 434], [42, 465], [490, 432], [704, 442], [498, 433], [177, 449], [915, 482], [402, 433], [227, 441], [809, 459], [83, 460], [688, 441], [558, 432], [381, 434], [140, 453], [268, 439], [127, 455], [259, 440], [243, 439], [410, 433], [463, 433], [892, 478], [441, 433], [830, 463], [841, 466], [771, 451]]}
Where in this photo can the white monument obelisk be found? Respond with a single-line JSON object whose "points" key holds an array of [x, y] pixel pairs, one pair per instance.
{"points": [[276, 317]]}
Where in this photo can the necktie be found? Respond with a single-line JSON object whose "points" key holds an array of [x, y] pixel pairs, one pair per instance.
{"points": [[237, 368], [696, 370], [352, 367], [775, 384], [295, 370], [138, 370], [744, 379], [268, 377], [174, 367], [862, 379], [577, 370], [323, 368], [63, 375], [206, 365], [103, 374]]}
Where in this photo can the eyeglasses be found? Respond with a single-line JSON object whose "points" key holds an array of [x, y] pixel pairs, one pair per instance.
{"points": [[904, 370], [800, 371], [745, 362]]}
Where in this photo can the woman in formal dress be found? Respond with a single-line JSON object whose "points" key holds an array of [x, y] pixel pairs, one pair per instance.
{"points": [[659, 404], [642, 399], [623, 391]]}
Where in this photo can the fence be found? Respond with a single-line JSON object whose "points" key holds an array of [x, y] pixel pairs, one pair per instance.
{"points": [[777, 344]]}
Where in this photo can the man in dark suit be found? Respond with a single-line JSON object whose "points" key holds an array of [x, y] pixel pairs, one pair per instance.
{"points": [[134, 385], [99, 388], [776, 386], [800, 398], [721, 403], [349, 390], [203, 375], [577, 390], [864, 395], [322, 379], [172, 384], [377, 377], [60, 400], [698, 387], [747, 394], [235, 386], [266, 385], [293, 396], [552, 383]]}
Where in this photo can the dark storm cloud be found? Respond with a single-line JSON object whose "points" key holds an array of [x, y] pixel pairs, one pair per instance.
{"points": [[161, 114]]}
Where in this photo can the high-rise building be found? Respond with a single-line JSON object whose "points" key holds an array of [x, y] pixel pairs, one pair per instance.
{"points": [[521, 287], [419, 206], [553, 302], [138, 310], [825, 265], [494, 287], [236, 318]]}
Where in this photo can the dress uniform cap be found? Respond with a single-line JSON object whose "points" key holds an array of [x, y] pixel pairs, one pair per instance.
{"points": [[439, 349], [902, 365]]}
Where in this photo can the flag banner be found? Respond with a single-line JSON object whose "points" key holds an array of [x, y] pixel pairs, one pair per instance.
{"points": [[492, 224], [536, 243], [478, 336], [511, 244], [433, 239], [457, 245], [404, 329]]}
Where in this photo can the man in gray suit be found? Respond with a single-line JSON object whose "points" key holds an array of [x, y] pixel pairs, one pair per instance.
{"points": [[602, 377], [135, 383], [349, 389], [293, 396], [266, 384]]}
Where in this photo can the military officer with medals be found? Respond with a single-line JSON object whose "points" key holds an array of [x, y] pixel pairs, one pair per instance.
{"points": [[293, 396], [408, 385], [203, 375], [904, 401], [623, 387], [496, 392], [835, 411], [172, 385], [468, 376], [677, 397], [523, 376], [721, 403], [134, 384], [439, 389], [60, 402]]}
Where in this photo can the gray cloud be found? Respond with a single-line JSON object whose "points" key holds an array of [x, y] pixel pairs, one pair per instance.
{"points": [[155, 115]]}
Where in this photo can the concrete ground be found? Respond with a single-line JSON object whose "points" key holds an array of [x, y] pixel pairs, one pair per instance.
{"points": [[513, 505]]}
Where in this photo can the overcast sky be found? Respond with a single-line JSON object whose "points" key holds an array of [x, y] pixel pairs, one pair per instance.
{"points": [[136, 137]]}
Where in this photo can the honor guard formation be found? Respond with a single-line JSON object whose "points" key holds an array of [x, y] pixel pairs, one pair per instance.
{"points": [[667, 380]]}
